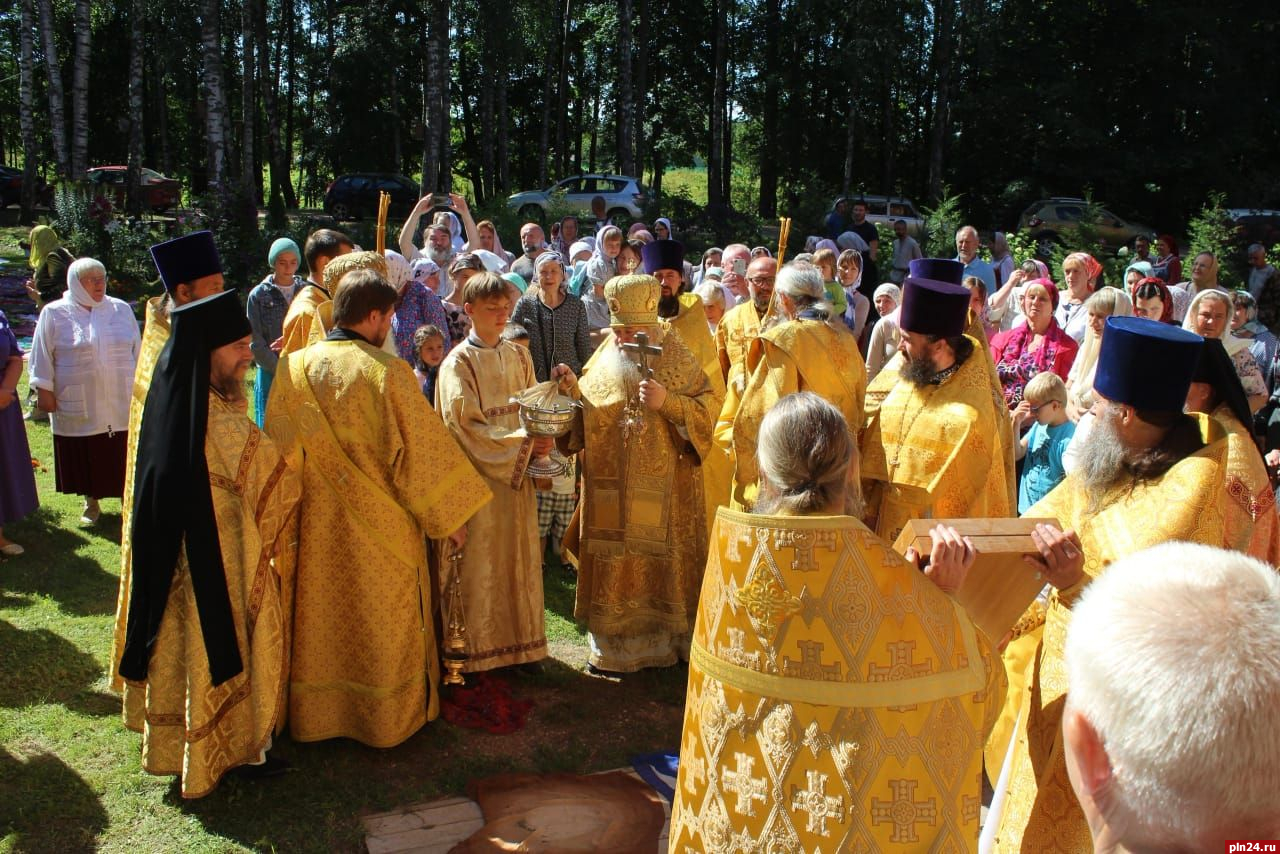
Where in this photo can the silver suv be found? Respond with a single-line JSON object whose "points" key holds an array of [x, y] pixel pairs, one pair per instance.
{"points": [[623, 196]]}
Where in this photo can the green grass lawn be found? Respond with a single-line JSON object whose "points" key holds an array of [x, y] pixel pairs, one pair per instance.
{"points": [[70, 774]]}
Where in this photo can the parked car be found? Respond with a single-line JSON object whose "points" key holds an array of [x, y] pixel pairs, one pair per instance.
{"points": [[11, 188], [158, 192], [1256, 225], [623, 196], [886, 210], [1052, 222], [356, 195]]}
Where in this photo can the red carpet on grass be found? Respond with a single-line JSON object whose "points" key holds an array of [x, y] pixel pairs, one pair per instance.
{"points": [[485, 702]]}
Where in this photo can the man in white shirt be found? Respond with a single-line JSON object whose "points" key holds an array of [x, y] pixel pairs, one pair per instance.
{"points": [[1259, 269], [905, 250]]}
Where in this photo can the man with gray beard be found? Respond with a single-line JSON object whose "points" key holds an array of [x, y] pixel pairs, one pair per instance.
{"points": [[645, 426], [1148, 474]]}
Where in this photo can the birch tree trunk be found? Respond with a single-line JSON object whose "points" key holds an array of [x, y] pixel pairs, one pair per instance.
{"points": [[250, 182], [215, 97], [944, 18], [268, 85], [435, 145], [26, 110], [715, 152], [768, 166], [133, 186], [57, 97], [563, 11], [80, 92], [626, 103], [640, 93]]}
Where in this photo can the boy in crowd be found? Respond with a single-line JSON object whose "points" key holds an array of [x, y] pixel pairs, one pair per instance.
{"points": [[1045, 400]]}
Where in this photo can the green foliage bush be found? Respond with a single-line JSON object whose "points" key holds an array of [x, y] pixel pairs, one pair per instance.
{"points": [[1211, 230], [940, 226]]}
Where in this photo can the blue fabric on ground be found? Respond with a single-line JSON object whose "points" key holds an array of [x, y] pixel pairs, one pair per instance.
{"points": [[659, 771]]}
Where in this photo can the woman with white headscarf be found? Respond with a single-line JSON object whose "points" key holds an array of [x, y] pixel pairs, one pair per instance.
{"points": [[1209, 316], [662, 229], [885, 335], [603, 265], [83, 357], [1103, 303]]}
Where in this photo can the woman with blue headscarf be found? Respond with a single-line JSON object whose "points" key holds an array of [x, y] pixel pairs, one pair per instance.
{"points": [[266, 307]]}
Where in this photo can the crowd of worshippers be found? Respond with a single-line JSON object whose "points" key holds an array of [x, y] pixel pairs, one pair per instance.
{"points": [[746, 441]]}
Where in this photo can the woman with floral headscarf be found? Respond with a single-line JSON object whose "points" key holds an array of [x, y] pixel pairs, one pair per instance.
{"points": [[417, 306], [83, 356], [1152, 300], [1038, 345]]}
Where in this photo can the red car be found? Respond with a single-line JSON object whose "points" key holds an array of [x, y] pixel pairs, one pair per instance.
{"points": [[158, 192]]}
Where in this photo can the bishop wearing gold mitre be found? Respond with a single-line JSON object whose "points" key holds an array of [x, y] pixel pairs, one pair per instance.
{"points": [[380, 474], [304, 322], [190, 269], [664, 260], [1149, 473], [798, 351], [934, 448], [838, 696], [644, 429]]}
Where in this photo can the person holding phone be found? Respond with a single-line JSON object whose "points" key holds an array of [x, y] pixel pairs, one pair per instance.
{"points": [[456, 206]]}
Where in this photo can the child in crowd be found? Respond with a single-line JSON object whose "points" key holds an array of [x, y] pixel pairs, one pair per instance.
{"points": [[1045, 400], [557, 497], [266, 307], [713, 302], [428, 343]]}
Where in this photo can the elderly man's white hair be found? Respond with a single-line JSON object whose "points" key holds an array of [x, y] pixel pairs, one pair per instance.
{"points": [[962, 229], [1174, 659], [801, 280]]}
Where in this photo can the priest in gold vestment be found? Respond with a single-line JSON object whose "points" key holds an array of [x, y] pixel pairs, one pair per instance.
{"points": [[206, 651], [664, 260], [838, 697], [935, 447], [380, 473], [642, 540], [741, 324], [189, 269], [1149, 474], [501, 569], [800, 351]]}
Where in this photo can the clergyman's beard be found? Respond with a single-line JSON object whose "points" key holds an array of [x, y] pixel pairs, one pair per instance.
{"points": [[619, 368], [442, 256], [761, 303], [919, 371], [1102, 458], [227, 386], [668, 306]]}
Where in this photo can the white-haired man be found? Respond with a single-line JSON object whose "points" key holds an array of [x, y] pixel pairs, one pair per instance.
{"points": [[1171, 728], [1259, 269], [967, 254]]}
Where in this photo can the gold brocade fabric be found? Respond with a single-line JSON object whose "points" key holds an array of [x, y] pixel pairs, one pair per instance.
{"points": [[798, 355], [939, 451], [1188, 503], [838, 701], [155, 334], [717, 468], [738, 328], [380, 473], [307, 321], [189, 727], [1253, 525], [501, 567], [642, 541]]}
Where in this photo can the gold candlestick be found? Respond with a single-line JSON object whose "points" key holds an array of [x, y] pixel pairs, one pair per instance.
{"points": [[455, 640]]}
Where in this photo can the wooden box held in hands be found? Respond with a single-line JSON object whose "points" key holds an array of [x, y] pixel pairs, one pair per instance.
{"points": [[1001, 585]]}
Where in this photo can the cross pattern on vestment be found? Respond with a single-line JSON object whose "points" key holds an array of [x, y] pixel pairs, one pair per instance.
{"points": [[970, 808], [641, 351], [693, 766], [900, 667], [736, 653], [904, 811], [817, 803], [804, 543], [740, 782], [767, 602], [810, 665], [743, 537]]}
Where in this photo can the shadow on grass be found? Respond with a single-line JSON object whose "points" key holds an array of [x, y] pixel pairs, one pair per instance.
{"points": [[46, 806], [52, 567], [43, 667], [579, 724]]}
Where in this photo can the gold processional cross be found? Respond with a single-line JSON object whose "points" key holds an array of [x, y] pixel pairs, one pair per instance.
{"points": [[633, 413]]}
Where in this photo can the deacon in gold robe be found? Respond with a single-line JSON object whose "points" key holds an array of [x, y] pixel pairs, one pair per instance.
{"points": [[1253, 525], [380, 473], [801, 351], [190, 269], [206, 652], [501, 569], [1148, 474], [838, 696], [642, 540], [741, 324], [310, 314], [935, 446], [664, 260]]}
